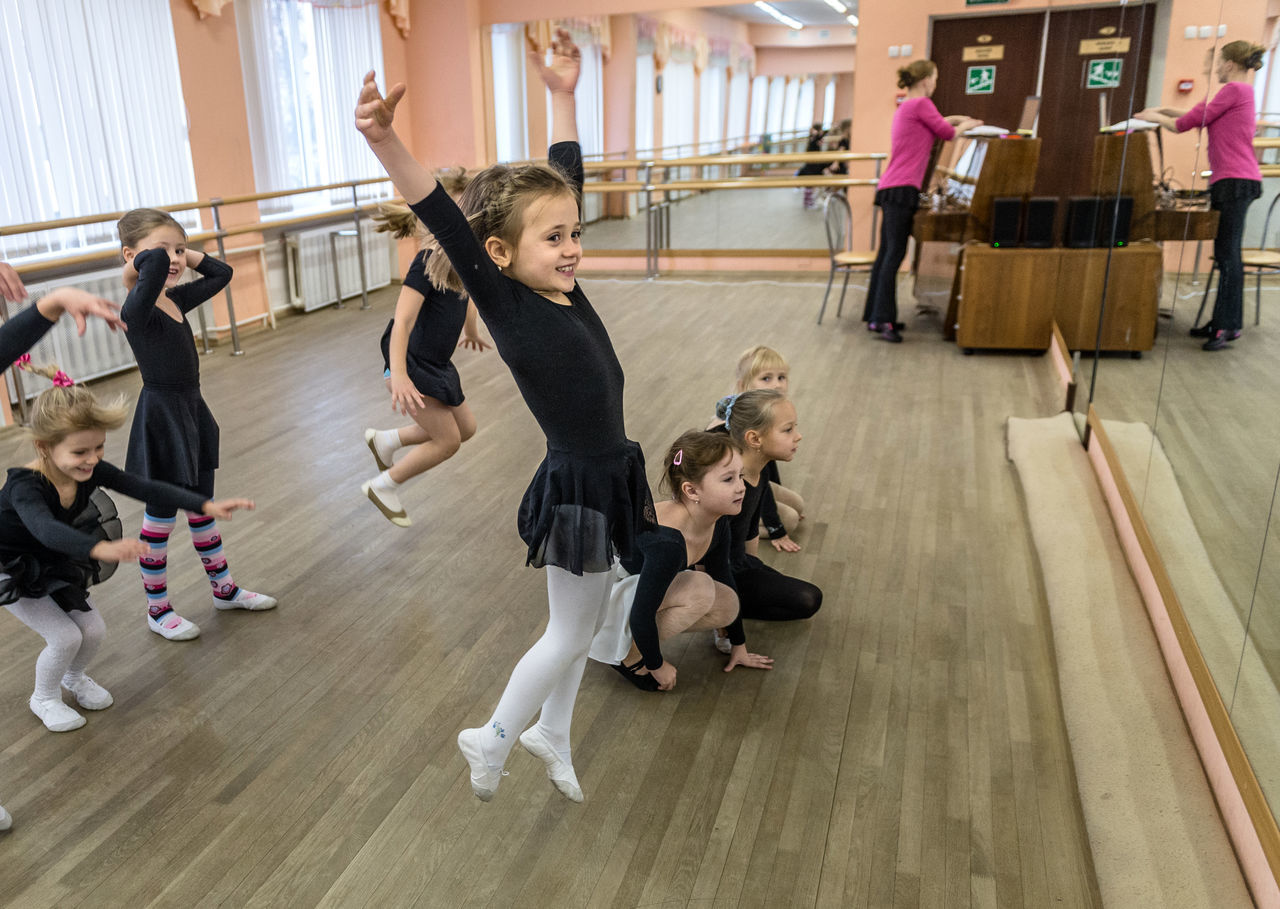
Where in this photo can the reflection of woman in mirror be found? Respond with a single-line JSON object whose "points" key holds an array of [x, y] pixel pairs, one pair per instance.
{"points": [[915, 127], [1230, 122]]}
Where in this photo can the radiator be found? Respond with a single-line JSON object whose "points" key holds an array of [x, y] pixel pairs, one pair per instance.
{"points": [[99, 353], [309, 264]]}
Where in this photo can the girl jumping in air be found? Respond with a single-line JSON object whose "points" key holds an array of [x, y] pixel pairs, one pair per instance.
{"points": [[416, 350], [658, 594], [515, 254], [48, 549], [174, 437]]}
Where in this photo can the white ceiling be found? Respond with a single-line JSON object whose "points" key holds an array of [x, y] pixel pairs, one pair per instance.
{"points": [[810, 12]]}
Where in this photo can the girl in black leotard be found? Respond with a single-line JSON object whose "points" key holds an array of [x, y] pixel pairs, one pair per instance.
{"points": [[174, 437], [659, 594], [764, 423], [417, 348], [515, 253]]}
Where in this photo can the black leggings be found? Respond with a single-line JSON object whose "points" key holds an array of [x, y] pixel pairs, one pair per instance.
{"points": [[1231, 198], [204, 486], [898, 206], [772, 596]]}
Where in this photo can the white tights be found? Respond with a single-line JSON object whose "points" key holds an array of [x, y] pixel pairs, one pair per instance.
{"points": [[71, 640], [548, 675]]}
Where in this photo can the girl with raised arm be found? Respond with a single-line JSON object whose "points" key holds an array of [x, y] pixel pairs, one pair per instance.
{"points": [[515, 252]]}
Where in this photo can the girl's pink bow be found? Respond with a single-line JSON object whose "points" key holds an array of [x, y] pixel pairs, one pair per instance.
{"points": [[62, 380], [24, 360]]}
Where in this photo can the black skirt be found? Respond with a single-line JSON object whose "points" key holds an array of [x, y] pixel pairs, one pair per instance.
{"points": [[174, 436], [433, 379], [581, 512]]}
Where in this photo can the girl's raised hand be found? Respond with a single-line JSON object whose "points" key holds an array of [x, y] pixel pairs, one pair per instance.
{"points": [[405, 397], [10, 284], [561, 75], [80, 305], [740, 657], [126, 550], [374, 113], [222, 508]]}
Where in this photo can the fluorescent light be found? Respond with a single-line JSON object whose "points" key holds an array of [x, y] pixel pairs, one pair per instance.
{"points": [[852, 20], [837, 6], [784, 19]]}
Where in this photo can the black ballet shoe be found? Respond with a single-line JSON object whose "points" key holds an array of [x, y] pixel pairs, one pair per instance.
{"points": [[631, 673], [1204, 331]]}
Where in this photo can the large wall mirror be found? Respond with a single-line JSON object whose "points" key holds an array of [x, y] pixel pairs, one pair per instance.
{"points": [[1198, 430]]}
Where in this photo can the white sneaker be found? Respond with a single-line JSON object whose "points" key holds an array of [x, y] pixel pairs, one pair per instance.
{"points": [[6, 819], [388, 503], [559, 771], [246, 599], [484, 780], [56, 716], [89, 694], [722, 642], [173, 627], [381, 455]]}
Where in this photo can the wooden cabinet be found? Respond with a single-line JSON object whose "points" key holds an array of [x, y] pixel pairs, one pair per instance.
{"points": [[1132, 287], [1006, 298]]}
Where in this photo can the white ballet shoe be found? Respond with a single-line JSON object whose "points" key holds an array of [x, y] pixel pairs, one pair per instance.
{"points": [[246, 599], [388, 503], [722, 642], [89, 694], [173, 627], [382, 456], [6, 819], [484, 779], [56, 716], [559, 771]]}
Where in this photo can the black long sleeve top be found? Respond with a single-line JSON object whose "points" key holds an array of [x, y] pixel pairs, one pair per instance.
{"points": [[560, 356], [745, 525], [21, 333], [659, 556], [34, 522], [163, 346]]}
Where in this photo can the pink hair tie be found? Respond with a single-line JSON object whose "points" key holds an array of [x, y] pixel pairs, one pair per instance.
{"points": [[62, 380], [23, 361], [675, 462]]}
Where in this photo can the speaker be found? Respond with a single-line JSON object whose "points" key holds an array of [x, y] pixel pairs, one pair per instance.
{"points": [[1116, 212], [1042, 214], [1006, 221], [1082, 222]]}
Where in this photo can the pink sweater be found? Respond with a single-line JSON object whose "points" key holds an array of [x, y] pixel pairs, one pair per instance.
{"points": [[916, 124], [1231, 123]]}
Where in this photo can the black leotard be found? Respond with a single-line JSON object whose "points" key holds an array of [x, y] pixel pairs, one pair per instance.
{"points": [[174, 435], [433, 338], [589, 499], [42, 550], [763, 592], [657, 558]]}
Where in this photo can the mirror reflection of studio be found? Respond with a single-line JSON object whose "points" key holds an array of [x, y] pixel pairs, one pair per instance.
{"points": [[895, 377]]}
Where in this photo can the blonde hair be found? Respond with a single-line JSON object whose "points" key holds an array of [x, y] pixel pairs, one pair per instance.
{"points": [[494, 203], [64, 409], [691, 456], [398, 220], [915, 71], [754, 361], [135, 225], [751, 410], [1245, 54]]}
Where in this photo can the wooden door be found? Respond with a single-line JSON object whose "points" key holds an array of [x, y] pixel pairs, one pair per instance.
{"points": [[1069, 108], [1015, 38]]}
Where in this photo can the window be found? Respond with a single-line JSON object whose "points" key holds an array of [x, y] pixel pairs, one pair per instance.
{"points": [[79, 75], [677, 109], [510, 129], [804, 107], [829, 104], [302, 63], [759, 107], [773, 117], [644, 104], [736, 129], [790, 105], [711, 111]]}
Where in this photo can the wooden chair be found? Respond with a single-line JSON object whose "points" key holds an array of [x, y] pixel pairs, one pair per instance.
{"points": [[1262, 262], [839, 221]]}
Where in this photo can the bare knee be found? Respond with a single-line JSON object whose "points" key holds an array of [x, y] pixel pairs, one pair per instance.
{"points": [[724, 608]]}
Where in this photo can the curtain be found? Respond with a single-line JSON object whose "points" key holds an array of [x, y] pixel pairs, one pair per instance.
{"points": [[510, 128], [790, 104], [302, 65], [758, 124], [737, 127], [644, 104], [804, 106], [93, 119], [677, 109], [829, 104], [711, 111], [774, 111]]}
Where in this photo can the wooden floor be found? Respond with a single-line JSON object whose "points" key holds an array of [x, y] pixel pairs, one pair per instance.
{"points": [[908, 750]]}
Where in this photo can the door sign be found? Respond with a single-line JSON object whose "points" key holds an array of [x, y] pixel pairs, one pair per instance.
{"points": [[1103, 73], [980, 80]]}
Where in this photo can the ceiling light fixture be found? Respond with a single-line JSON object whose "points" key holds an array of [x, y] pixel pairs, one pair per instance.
{"points": [[781, 17], [837, 6], [852, 20]]}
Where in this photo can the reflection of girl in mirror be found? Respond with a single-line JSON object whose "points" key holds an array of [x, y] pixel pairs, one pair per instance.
{"points": [[1230, 122], [916, 125]]}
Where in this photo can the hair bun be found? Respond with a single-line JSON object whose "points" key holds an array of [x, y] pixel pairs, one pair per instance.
{"points": [[724, 407]]}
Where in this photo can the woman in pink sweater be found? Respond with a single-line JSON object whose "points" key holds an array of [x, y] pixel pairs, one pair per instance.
{"points": [[1230, 121], [915, 127]]}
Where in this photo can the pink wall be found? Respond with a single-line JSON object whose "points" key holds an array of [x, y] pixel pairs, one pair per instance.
{"points": [[797, 61], [620, 87]]}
